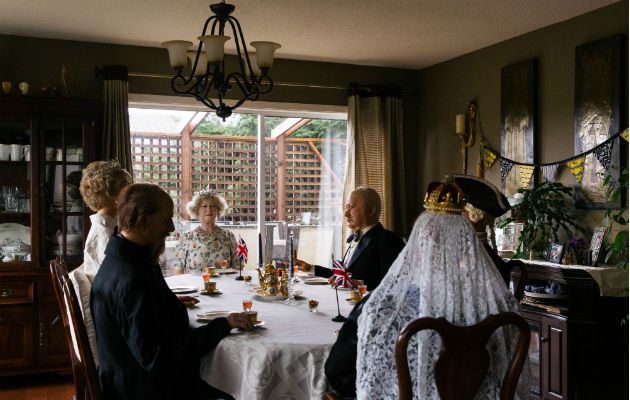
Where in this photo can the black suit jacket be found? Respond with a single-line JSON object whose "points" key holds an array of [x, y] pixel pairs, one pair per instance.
{"points": [[375, 253], [146, 348]]}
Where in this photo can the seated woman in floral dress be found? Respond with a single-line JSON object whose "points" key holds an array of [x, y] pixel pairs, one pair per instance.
{"points": [[208, 245]]}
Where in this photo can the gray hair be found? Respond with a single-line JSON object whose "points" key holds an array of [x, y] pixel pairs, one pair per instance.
{"points": [[371, 198], [215, 199]]}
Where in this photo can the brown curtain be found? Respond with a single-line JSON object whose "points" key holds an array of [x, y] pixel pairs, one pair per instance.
{"points": [[374, 154], [116, 143]]}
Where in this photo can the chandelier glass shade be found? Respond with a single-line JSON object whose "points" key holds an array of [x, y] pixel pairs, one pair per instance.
{"points": [[208, 81]]}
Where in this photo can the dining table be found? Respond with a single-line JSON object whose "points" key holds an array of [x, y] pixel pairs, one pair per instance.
{"points": [[282, 359]]}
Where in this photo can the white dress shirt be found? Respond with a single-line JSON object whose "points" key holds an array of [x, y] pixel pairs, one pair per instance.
{"points": [[353, 245]]}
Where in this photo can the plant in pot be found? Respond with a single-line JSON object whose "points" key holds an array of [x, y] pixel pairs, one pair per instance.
{"points": [[615, 220], [544, 210]]}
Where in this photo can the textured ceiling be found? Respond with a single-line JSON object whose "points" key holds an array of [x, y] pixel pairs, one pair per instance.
{"points": [[392, 33]]}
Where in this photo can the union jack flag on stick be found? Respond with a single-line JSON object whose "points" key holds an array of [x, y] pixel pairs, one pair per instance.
{"points": [[342, 277], [241, 250]]}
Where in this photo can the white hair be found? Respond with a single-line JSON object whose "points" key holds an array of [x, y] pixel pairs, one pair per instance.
{"points": [[215, 199]]}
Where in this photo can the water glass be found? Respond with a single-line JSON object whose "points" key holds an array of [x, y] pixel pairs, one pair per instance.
{"points": [[11, 203], [362, 289], [224, 264]]}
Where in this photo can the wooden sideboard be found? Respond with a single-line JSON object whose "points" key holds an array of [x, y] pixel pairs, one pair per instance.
{"points": [[581, 353], [58, 136]]}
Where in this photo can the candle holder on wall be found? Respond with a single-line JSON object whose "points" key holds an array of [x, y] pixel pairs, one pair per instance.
{"points": [[465, 130]]}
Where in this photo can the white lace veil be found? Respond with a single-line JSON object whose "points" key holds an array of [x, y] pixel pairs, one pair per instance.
{"points": [[443, 270]]}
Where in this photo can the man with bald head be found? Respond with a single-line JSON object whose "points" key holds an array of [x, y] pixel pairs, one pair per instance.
{"points": [[371, 248]]}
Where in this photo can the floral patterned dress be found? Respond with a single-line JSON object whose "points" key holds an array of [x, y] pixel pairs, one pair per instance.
{"points": [[198, 249]]}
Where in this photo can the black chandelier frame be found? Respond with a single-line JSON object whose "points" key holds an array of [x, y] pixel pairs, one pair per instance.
{"points": [[201, 87]]}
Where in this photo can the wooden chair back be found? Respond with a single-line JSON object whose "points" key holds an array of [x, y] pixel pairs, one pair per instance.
{"points": [[463, 362], [520, 287], [83, 366]]}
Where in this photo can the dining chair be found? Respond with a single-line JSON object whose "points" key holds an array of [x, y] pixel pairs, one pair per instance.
{"points": [[83, 367], [463, 361], [519, 290]]}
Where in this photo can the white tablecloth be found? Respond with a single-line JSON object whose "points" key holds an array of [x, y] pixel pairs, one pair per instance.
{"points": [[283, 360]]}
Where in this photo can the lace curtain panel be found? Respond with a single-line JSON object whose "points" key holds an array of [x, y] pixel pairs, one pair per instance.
{"points": [[374, 152], [116, 143]]}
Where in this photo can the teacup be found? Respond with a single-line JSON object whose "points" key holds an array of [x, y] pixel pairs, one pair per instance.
{"points": [[23, 87], [210, 286], [17, 152], [253, 315], [6, 87], [5, 152], [355, 296], [209, 271]]}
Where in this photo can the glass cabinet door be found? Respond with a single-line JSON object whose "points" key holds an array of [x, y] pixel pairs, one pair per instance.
{"points": [[65, 216], [15, 192]]}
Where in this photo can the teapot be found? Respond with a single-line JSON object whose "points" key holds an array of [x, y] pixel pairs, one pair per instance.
{"points": [[270, 284]]}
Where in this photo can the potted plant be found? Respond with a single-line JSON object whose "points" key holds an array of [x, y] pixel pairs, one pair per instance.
{"points": [[615, 220], [544, 210]]}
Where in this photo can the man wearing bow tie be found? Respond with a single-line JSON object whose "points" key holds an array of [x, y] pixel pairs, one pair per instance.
{"points": [[371, 248]]}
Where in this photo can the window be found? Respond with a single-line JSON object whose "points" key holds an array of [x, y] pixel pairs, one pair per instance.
{"points": [[185, 151]]}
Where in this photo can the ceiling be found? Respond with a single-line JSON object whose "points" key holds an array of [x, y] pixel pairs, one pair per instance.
{"points": [[390, 33]]}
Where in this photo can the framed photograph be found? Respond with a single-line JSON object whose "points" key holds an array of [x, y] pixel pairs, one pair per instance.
{"points": [[518, 119], [555, 252], [598, 93], [596, 243]]}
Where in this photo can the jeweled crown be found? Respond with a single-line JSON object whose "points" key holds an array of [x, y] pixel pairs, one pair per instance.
{"points": [[206, 192], [444, 198]]}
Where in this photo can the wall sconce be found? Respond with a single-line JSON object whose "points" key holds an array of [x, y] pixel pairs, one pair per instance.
{"points": [[465, 129]]}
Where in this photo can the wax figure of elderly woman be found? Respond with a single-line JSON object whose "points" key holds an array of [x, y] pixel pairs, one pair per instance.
{"points": [[208, 244], [443, 271], [146, 347]]}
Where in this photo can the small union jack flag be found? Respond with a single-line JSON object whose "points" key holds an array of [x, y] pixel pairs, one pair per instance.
{"points": [[342, 277], [241, 250]]}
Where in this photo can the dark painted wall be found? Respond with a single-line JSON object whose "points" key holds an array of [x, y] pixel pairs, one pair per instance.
{"points": [[446, 87]]}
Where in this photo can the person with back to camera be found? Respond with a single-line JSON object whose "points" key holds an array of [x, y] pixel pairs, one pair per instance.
{"points": [[443, 271], [371, 247], [146, 347], [208, 244]]}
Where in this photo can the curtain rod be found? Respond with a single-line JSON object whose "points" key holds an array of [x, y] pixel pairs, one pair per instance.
{"points": [[288, 84]]}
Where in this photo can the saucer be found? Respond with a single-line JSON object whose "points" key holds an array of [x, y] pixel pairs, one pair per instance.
{"points": [[210, 315], [205, 292], [227, 271], [352, 301]]}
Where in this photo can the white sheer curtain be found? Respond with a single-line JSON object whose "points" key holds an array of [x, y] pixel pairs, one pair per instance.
{"points": [[116, 143], [374, 152]]}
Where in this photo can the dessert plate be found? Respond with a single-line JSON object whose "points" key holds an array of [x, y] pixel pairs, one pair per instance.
{"points": [[183, 289], [210, 315], [316, 281], [205, 292]]}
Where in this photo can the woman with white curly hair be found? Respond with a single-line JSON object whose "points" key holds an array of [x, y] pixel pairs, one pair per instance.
{"points": [[208, 245]]}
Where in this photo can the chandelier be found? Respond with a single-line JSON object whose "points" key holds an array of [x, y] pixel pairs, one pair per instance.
{"points": [[208, 81]]}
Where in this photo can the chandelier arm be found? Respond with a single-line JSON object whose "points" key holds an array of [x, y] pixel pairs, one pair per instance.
{"points": [[240, 36], [209, 103], [237, 77], [268, 85], [180, 81], [205, 27]]}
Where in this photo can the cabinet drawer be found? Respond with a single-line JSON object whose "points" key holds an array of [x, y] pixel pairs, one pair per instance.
{"points": [[16, 292]]}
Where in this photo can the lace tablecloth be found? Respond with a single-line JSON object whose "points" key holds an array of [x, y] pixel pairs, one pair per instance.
{"points": [[284, 359]]}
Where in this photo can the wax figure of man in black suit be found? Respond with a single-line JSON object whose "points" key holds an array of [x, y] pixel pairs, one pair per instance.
{"points": [[147, 350], [372, 248]]}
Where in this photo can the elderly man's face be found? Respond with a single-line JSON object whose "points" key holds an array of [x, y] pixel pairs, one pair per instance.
{"points": [[357, 212]]}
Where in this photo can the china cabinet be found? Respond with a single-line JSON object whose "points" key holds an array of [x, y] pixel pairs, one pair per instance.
{"points": [[45, 142], [578, 350]]}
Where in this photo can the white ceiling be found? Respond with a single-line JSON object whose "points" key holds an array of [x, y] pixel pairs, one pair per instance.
{"points": [[391, 33]]}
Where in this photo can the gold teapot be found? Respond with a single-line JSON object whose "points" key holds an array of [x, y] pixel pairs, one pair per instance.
{"points": [[270, 284]]}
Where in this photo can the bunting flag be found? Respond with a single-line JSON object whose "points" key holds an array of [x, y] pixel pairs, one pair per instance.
{"points": [[577, 168], [603, 154], [624, 134], [550, 172], [526, 171], [506, 167], [488, 158]]}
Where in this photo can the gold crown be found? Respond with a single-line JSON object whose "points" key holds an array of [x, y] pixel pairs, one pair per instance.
{"points": [[444, 198]]}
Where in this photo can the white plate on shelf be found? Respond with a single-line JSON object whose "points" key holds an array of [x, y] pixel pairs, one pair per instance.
{"points": [[12, 233], [546, 295], [183, 289]]}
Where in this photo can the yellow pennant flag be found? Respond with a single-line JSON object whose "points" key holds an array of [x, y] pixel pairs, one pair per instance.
{"points": [[577, 168], [488, 158], [527, 171], [624, 134]]}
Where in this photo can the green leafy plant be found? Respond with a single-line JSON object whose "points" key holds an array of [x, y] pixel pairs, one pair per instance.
{"points": [[617, 247], [543, 212]]}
